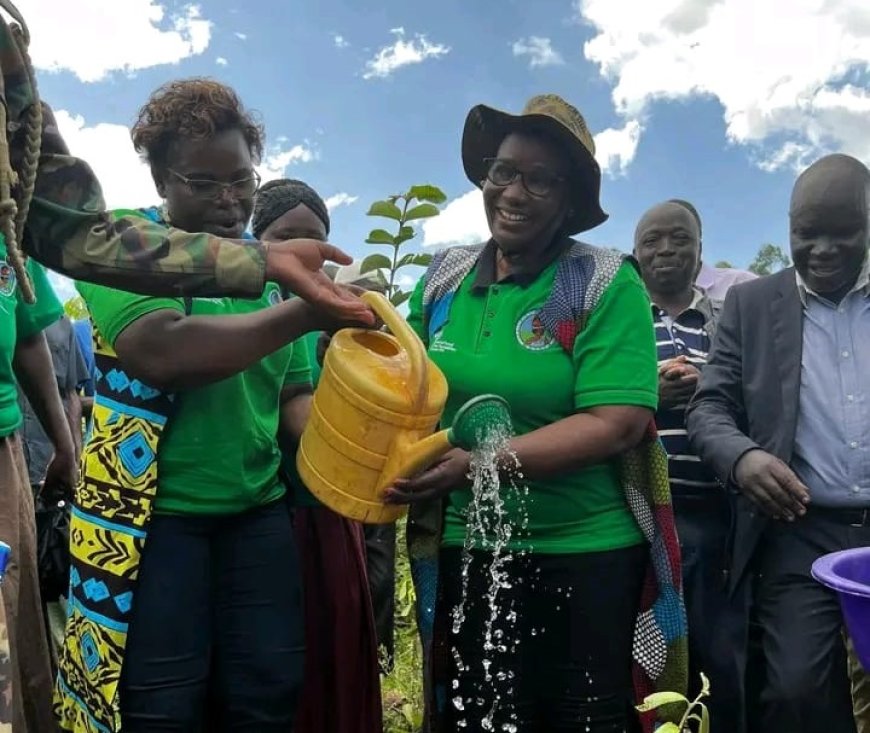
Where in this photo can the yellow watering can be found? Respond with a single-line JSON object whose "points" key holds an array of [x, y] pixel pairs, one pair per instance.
{"points": [[377, 403]]}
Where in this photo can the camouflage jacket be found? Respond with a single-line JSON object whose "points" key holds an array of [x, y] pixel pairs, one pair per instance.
{"points": [[69, 230]]}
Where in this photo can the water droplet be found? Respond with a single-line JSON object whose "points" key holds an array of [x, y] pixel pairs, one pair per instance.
{"points": [[458, 704]]}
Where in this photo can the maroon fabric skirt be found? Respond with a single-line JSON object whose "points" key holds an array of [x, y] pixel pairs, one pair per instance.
{"points": [[341, 692]]}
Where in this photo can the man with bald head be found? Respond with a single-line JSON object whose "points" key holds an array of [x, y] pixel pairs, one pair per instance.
{"points": [[782, 414], [667, 246]]}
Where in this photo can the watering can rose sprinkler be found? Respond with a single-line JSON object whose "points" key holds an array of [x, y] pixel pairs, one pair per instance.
{"points": [[373, 417]]}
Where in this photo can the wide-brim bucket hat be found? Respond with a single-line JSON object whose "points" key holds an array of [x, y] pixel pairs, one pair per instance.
{"points": [[486, 128]]}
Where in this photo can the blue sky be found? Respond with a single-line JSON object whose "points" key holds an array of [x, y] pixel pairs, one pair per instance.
{"points": [[716, 101]]}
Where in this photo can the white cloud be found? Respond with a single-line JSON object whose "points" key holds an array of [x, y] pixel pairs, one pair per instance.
{"points": [[615, 148], [221, 61], [340, 199], [92, 38], [791, 75], [402, 53], [539, 50], [462, 221], [241, 36], [279, 158], [340, 41], [125, 179]]}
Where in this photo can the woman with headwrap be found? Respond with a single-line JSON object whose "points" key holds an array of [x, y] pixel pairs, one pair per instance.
{"points": [[341, 690]]}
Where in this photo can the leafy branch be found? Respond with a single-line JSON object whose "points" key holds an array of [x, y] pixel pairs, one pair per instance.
{"points": [[695, 716], [416, 204]]}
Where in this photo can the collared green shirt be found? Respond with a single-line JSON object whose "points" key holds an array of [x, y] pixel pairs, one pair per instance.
{"points": [[492, 343]]}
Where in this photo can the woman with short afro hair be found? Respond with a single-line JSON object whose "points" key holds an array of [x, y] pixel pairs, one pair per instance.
{"points": [[186, 607]]}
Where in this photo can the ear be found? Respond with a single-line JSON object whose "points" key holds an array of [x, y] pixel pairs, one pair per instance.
{"points": [[159, 182]]}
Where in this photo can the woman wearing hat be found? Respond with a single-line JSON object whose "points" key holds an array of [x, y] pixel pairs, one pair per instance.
{"points": [[563, 331]]}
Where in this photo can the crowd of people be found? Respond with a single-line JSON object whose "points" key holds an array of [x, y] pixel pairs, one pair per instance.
{"points": [[690, 440]]}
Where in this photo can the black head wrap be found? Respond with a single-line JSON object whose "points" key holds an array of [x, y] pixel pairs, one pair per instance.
{"points": [[276, 198]]}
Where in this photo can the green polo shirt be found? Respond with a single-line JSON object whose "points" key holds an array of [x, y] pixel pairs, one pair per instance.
{"points": [[219, 454], [18, 320], [493, 344]]}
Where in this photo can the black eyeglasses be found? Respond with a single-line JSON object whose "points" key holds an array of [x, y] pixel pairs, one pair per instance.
{"points": [[244, 188], [537, 182]]}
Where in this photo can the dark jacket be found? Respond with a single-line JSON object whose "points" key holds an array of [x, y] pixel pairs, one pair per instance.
{"points": [[748, 393]]}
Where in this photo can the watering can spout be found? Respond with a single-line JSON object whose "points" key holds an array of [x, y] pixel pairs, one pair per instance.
{"points": [[476, 421]]}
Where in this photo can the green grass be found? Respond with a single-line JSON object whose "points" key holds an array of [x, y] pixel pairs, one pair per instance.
{"points": [[402, 689]]}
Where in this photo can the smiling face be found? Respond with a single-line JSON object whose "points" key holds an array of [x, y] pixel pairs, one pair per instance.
{"points": [[519, 221], [667, 245], [829, 224], [225, 157]]}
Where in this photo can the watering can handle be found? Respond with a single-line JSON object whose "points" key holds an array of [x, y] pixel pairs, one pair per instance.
{"points": [[409, 340]]}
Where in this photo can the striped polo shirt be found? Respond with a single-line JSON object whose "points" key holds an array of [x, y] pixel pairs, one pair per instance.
{"points": [[687, 336]]}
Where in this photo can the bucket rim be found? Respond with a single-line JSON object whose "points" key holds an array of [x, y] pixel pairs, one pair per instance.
{"points": [[823, 572]]}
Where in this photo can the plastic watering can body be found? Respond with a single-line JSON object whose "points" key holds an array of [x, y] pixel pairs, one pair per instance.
{"points": [[373, 417]]}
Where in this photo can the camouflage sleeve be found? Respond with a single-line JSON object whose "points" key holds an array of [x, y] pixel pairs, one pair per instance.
{"points": [[69, 230]]}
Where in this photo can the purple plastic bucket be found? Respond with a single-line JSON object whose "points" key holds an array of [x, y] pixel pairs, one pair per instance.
{"points": [[848, 573]]}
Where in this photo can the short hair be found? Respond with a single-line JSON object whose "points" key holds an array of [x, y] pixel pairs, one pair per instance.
{"points": [[691, 209], [191, 109], [275, 198]]}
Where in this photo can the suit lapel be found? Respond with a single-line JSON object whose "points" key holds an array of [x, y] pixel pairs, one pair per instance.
{"points": [[787, 312]]}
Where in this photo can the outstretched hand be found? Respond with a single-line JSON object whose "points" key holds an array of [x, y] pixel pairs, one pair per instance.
{"points": [[297, 265]]}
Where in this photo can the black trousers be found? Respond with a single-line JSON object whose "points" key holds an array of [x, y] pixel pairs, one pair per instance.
{"points": [[806, 684], [217, 626], [718, 621], [381, 569], [552, 652]]}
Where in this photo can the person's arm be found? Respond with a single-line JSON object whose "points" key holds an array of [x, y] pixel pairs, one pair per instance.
{"points": [[295, 409], [35, 374], [74, 416], [87, 406], [716, 418], [163, 347], [296, 395], [716, 414]]}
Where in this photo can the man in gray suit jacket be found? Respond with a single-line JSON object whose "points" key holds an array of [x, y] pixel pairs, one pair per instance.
{"points": [[782, 415]]}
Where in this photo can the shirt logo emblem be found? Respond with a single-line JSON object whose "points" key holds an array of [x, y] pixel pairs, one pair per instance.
{"points": [[275, 298], [8, 280], [532, 333], [438, 344]]}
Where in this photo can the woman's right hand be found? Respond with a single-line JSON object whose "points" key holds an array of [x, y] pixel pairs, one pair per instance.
{"points": [[321, 319], [297, 265]]}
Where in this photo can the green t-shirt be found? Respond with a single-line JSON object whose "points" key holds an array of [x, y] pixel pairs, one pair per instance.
{"points": [[301, 495], [491, 344], [219, 454], [19, 320]]}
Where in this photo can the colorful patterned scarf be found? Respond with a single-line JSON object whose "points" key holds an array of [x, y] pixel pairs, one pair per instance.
{"points": [[660, 653], [108, 527]]}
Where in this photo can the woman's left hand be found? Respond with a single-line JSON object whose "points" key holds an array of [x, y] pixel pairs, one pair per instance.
{"points": [[61, 476], [448, 473]]}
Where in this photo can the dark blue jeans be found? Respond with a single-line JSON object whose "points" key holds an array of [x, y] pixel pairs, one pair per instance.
{"points": [[718, 621], [216, 640]]}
